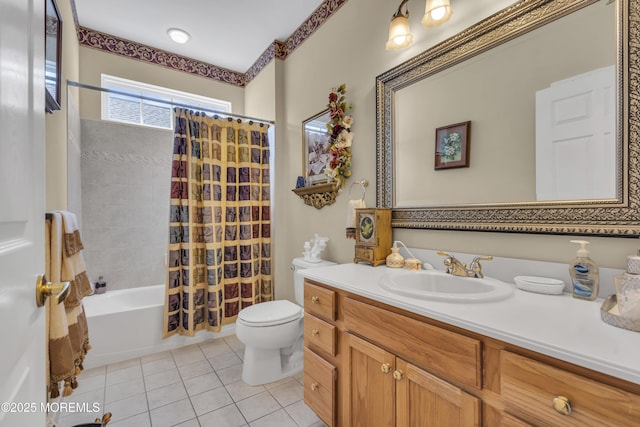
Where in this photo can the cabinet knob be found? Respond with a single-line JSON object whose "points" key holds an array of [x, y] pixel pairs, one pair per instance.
{"points": [[315, 332], [562, 405], [315, 299], [386, 368], [314, 386], [398, 375]]}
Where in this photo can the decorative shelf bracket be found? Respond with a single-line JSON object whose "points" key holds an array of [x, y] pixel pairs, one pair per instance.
{"points": [[319, 195]]}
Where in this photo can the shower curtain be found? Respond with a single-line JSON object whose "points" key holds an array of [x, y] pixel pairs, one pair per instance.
{"points": [[219, 258]]}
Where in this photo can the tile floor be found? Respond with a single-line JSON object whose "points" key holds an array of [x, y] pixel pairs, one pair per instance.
{"points": [[198, 385]]}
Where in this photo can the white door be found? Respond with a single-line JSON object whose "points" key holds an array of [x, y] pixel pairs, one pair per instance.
{"points": [[22, 324], [576, 138]]}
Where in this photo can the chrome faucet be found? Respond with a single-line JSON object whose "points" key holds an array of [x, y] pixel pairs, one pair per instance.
{"points": [[457, 268]]}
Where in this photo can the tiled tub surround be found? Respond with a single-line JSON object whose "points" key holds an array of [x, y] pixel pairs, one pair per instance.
{"points": [[126, 177], [554, 325], [197, 385]]}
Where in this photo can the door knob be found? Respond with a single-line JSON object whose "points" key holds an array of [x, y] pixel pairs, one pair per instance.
{"points": [[562, 405], [385, 368], [398, 375], [315, 332], [45, 289]]}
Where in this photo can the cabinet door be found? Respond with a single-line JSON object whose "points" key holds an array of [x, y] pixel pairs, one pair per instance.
{"points": [[423, 399], [371, 385]]}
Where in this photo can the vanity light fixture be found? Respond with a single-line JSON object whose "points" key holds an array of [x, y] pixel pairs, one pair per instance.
{"points": [[178, 35], [435, 13]]}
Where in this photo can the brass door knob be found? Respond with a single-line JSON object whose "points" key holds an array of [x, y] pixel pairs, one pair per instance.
{"points": [[45, 289], [315, 299], [386, 368], [315, 332], [562, 405], [398, 375], [314, 386]]}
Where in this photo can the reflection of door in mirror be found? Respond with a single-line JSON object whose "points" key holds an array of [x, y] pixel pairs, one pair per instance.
{"points": [[576, 137]]}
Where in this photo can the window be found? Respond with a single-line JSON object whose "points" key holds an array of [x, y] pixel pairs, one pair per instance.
{"points": [[149, 105]]}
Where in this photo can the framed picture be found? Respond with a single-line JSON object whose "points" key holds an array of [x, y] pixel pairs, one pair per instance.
{"points": [[315, 148], [452, 146], [52, 55]]}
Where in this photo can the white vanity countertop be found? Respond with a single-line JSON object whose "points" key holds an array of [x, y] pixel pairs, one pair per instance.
{"points": [[555, 325]]}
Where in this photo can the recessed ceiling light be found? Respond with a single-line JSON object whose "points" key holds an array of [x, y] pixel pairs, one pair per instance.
{"points": [[178, 35]]}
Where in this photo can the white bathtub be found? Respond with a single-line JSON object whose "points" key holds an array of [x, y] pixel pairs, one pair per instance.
{"points": [[127, 323]]}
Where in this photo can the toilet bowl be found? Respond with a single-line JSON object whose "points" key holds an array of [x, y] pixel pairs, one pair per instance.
{"points": [[272, 333]]}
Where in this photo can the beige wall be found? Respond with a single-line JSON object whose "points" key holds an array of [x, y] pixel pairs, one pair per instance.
{"points": [[350, 49], [56, 123], [94, 62]]}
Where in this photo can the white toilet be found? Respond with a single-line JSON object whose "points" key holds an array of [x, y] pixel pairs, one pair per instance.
{"points": [[272, 333]]}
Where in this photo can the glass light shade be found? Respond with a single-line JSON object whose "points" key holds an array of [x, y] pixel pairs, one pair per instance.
{"points": [[399, 33], [436, 12], [178, 35]]}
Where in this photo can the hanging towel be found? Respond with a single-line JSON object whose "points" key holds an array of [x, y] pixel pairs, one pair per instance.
{"points": [[351, 216], [67, 337]]}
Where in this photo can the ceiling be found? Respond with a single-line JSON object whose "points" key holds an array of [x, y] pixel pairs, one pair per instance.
{"points": [[228, 34]]}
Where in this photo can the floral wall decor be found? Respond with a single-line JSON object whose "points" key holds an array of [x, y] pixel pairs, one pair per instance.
{"points": [[340, 136]]}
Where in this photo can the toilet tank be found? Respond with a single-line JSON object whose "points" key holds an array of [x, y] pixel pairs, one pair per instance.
{"points": [[298, 281]]}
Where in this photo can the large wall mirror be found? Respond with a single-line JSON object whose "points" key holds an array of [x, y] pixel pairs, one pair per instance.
{"points": [[551, 90]]}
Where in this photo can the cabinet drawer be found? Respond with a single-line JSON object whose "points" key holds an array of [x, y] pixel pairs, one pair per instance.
{"points": [[320, 386], [319, 334], [442, 352], [320, 302], [529, 387]]}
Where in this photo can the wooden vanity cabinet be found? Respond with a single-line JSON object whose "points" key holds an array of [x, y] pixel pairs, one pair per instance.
{"points": [[368, 364]]}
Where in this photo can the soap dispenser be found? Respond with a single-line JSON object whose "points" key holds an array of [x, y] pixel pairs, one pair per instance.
{"points": [[585, 277], [394, 259]]}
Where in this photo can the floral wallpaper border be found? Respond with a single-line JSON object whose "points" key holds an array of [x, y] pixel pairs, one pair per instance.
{"points": [[277, 49]]}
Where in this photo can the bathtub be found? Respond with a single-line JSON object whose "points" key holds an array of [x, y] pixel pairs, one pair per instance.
{"points": [[125, 324]]}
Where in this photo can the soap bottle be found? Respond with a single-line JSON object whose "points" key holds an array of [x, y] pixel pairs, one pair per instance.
{"points": [[100, 286], [585, 277], [394, 259]]}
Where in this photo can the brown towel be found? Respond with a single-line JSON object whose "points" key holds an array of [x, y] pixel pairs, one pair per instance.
{"points": [[351, 217], [68, 339]]}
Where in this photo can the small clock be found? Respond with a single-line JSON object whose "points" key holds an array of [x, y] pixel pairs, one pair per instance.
{"points": [[373, 235]]}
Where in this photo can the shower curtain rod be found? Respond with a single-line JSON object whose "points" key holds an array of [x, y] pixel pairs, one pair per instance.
{"points": [[163, 101]]}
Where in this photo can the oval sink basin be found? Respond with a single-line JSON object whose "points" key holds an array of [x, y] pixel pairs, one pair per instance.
{"points": [[440, 286]]}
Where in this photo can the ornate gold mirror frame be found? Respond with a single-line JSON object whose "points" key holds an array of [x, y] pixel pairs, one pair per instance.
{"points": [[607, 217]]}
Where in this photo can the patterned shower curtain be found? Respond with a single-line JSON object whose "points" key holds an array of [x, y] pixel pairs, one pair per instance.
{"points": [[219, 257]]}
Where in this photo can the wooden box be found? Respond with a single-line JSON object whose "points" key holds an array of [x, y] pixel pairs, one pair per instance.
{"points": [[373, 235]]}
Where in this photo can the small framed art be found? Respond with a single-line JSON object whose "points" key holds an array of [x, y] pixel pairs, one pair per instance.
{"points": [[452, 146]]}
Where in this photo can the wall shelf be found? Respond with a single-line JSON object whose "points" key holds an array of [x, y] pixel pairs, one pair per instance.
{"points": [[319, 195]]}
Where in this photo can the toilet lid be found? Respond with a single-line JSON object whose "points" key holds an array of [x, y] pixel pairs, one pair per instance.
{"points": [[270, 313]]}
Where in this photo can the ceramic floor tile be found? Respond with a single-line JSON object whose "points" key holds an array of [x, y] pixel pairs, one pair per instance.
{"points": [[172, 414], [225, 360], [240, 390], [215, 347], [302, 414], [124, 390], [211, 400], [258, 406], [140, 420], [94, 382], [167, 394], [88, 398], [228, 416], [161, 379], [234, 342], [195, 369], [202, 383], [287, 393], [124, 374], [122, 365], [156, 356], [278, 383], [191, 423], [125, 408], [276, 419], [87, 373], [158, 365], [230, 375]]}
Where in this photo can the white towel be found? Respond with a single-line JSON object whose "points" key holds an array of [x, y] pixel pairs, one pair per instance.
{"points": [[351, 216]]}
